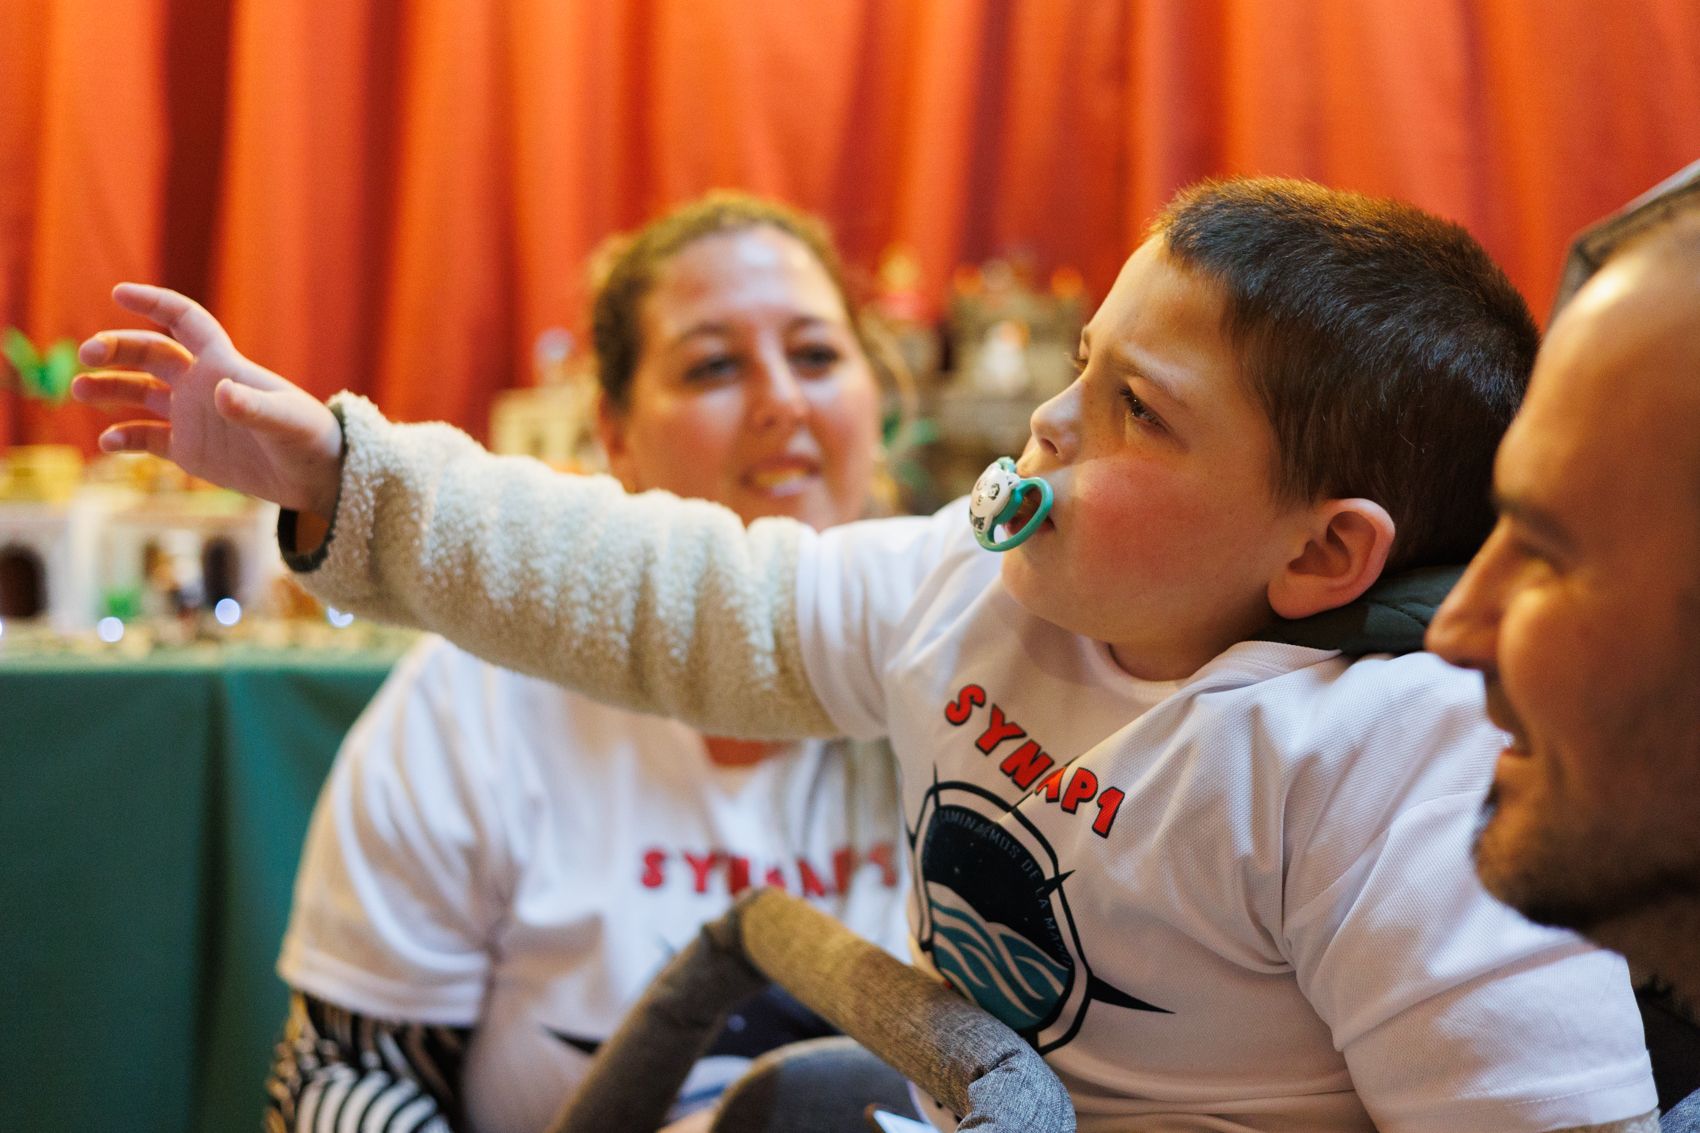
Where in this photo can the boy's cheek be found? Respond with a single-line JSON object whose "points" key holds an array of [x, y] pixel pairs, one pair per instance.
{"points": [[1146, 520]]}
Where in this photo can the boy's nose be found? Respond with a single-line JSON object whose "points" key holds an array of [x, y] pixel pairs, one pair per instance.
{"points": [[1054, 422]]}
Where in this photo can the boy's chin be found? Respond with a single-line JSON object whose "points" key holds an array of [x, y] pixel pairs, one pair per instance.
{"points": [[1022, 582], [1046, 598]]}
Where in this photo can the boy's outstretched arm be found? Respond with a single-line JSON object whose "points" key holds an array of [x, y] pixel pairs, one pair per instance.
{"points": [[652, 602], [664, 605], [215, 414]]}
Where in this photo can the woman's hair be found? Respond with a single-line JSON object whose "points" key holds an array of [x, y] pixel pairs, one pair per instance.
{"points": [[625, 268]]}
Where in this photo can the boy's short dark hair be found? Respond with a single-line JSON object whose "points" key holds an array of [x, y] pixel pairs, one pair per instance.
{"points": [[1386, 347]]}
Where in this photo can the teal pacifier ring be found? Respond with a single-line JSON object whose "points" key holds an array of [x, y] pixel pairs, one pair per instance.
{"points": [[998, 497]]}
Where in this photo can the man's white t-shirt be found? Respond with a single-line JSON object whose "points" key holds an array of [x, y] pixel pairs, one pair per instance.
{"points": [[1244, 901], [493, 851]]}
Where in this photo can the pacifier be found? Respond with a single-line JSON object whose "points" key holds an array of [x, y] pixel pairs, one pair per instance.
{"points": [[997, 497]]}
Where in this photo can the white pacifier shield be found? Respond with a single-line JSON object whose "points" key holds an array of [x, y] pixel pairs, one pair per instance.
{"points": [[991, 495]]}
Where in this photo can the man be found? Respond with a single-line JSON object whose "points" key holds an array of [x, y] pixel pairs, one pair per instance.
{"points": [[1582, 611]]}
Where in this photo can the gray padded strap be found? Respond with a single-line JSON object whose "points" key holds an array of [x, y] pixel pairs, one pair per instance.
{"points": [[637, 1073], [931, 1035], [945, 1045]]}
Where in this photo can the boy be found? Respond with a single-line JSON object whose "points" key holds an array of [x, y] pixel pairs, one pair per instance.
{"points": [[1213, 869]]}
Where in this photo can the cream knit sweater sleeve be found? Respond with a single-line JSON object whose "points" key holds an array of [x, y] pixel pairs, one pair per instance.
{"points": [[650, 602]]}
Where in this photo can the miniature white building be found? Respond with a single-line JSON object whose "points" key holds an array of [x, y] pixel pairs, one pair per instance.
{"points": [[555, 419], [68, 550], [48, 553], [554, 423], [190, 548]]}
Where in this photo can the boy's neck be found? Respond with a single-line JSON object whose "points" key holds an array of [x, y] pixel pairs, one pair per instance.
{"points": [[1390, 617], [1149, 664], [1177, 660]]}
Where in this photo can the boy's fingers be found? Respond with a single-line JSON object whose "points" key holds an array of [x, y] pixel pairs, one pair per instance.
{"points": [[188, 321], [138, 436], [234, 404], [136, 350], [264, 411], [113, 389]]}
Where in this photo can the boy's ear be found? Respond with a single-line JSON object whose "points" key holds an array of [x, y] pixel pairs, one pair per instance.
{"points": [[611, 435], [1342, 557]]}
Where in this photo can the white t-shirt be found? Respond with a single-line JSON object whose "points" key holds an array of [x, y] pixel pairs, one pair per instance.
{"points": [[1240, 902], [491, 850]]}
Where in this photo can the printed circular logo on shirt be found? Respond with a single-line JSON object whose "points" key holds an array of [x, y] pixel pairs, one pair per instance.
{"points": [[994, 915]]}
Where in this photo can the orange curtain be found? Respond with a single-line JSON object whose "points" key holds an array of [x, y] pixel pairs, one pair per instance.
{"points": [[83, 173], [397, 196]]}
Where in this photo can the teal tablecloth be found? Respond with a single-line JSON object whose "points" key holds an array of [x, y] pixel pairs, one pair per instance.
{"points": [[151, 814]]}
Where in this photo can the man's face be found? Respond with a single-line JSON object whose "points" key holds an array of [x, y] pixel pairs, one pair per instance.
{"points": [[1582, 611], [1165, 531]]}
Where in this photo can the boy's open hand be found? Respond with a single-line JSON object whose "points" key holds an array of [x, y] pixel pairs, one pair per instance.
{"points": [[225, 419]]}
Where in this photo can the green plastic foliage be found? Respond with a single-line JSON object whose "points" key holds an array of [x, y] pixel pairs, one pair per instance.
{"points": [[45, 377], [19, 352], [122, 602]]}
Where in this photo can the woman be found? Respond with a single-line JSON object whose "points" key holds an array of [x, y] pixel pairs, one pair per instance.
{"points": [[496, 867]]}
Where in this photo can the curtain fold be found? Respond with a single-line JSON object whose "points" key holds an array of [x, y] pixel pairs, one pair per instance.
{"points": [[304, 208], [398, 196], [93, 144]]}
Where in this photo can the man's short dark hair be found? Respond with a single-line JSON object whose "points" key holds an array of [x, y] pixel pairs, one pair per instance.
{"points": [[1387, 349]]}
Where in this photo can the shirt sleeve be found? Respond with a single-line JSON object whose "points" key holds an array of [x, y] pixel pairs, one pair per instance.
{"points": [[860, 588], [1452, 1011], [648, 602], [407, 864]]}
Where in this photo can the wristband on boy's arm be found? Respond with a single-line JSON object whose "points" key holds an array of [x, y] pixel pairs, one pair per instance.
{"points": [[294, 526]]}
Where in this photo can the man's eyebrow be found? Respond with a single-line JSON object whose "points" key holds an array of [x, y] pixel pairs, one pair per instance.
{"points": [[1531, 515]]}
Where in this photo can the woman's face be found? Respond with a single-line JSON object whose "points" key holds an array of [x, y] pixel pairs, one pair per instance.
{"points": [[751, 388]]}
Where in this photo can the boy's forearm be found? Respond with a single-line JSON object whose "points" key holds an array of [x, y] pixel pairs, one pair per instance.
{"points": [[650, 602]]}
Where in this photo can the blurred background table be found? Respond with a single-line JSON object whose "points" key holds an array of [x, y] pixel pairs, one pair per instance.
{"points": [[151, 812]]}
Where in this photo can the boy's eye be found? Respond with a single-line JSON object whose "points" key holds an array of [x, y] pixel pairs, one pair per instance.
{"points": [[1137, 409], [1078, 360]]}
